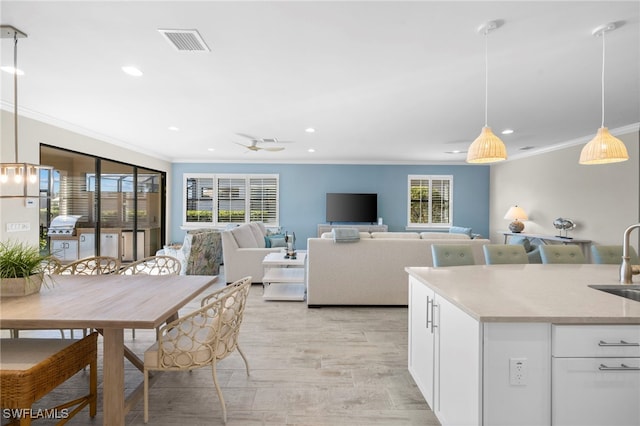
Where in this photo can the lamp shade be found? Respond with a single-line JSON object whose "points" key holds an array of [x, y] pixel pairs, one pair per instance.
{"points": [[516, 213], [603, 148], [487, 148]]}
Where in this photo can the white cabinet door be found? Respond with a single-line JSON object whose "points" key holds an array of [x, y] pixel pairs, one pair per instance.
{"points": [[87, 245], [109, 243], [596, 391], [421, 337], [65, 250], [457, 365]]}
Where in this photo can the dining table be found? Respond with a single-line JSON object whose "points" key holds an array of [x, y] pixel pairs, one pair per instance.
{"points": [[110, 304]]}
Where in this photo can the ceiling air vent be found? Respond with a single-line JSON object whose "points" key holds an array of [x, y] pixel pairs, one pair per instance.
{"points": [[185, 40]]}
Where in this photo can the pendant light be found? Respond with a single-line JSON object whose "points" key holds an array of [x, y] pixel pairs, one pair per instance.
{"points": [[17, 180], [604, 147], [487, 148]]}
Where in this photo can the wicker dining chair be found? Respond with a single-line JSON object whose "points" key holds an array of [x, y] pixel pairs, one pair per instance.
{"points": [[153, 265], [31, 368], [202, 338], [94, 265]]}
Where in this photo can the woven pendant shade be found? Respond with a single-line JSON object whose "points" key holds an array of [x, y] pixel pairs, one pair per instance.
{"points": [[603, 148], [487, 148]]}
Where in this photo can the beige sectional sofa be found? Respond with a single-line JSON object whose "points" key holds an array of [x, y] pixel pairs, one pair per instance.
{"points": [[371, 271]]}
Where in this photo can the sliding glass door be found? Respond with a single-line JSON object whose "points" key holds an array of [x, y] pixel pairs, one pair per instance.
{"points": [[118, 206]]}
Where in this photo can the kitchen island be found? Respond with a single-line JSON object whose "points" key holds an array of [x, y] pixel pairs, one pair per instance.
{"points": [[524, 345]]}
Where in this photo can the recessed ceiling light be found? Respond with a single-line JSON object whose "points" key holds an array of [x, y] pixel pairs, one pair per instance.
{"points": [[310, 130], [174, 128], [211, 149], [12, 70], [131, 70], [507, 131], [311, 150], [457, 151]]}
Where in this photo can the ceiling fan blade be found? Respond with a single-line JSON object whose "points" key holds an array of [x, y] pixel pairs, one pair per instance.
{"points": [[253, 138], [273, 148], [241, 144]]}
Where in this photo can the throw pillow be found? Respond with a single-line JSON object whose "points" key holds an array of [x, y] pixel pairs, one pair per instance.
{"points": [[274, 240], [460, 230]]}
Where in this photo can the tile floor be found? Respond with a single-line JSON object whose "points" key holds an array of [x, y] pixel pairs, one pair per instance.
{"points": [[326, 366]]}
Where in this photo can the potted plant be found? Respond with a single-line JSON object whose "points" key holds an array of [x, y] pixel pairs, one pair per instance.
{"points": [[21, 269]]}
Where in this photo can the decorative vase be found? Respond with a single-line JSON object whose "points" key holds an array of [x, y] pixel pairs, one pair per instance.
{"points": [[24, 286]]}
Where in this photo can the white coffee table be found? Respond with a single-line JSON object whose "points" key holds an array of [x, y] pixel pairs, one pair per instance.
{"points": [[284, 279]]}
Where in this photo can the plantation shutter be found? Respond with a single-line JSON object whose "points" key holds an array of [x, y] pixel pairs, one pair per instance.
{"points": [[440, 196], [429, 200], [263, 201], [199, 200], [232, 194], [419, 200]]}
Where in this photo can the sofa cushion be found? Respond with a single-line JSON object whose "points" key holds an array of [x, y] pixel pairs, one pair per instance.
{"points": [[443, 236], [258, 233], [244, 237], [396, 235]]}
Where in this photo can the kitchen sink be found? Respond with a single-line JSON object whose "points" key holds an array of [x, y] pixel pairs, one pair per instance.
{"points": [[629, 291]]}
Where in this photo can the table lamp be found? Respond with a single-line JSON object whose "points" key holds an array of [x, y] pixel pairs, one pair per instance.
{"points": [[516, 214]]}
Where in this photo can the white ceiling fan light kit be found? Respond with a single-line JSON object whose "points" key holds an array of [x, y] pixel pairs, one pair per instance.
{"points": [[255, 141]]}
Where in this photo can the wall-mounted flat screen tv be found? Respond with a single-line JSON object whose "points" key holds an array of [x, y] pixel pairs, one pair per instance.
{"points": [[348, 207]]}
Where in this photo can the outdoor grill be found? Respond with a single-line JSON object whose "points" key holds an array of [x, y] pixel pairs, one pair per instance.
{"points": [[63, 225]]}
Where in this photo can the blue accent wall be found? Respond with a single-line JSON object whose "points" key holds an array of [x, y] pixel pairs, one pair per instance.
{"points": [[303, 188]]}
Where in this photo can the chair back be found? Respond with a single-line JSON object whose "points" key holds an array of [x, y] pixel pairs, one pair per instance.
{"points": [[153, 265], [557, 253], [94, 265], [208, 334], [51, 265], [612, 255], [497, 254], [452, 255]]}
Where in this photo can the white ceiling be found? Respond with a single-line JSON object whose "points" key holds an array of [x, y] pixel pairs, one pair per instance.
{"points": [[379, 81]]}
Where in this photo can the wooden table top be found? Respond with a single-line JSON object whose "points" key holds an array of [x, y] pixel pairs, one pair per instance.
{"points": [[103, 301]]}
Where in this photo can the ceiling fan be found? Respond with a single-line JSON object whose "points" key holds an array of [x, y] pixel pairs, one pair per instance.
{"points": [[253, 146]]}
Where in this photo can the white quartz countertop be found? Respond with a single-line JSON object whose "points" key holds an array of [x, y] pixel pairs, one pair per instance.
{"points": [[532, 293]]}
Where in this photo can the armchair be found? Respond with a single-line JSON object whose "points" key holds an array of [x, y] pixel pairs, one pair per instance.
{"points": [[199, 254]]}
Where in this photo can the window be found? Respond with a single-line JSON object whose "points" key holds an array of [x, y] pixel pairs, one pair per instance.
{"points": [[223, 199], [430, 201]]}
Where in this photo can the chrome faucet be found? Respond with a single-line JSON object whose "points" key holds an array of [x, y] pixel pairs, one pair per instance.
{"points": [[626, 269]]}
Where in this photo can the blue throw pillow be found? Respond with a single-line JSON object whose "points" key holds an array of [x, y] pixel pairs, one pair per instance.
{"points": [[275, 240], [460, 230]]}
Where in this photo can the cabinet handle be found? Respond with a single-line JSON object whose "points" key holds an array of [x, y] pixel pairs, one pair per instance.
{"points": [[433, 316], [429, 302], [621, 343], [623, 367]]}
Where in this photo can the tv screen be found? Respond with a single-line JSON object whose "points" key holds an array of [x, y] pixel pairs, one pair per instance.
{"points": [[343, 207]]}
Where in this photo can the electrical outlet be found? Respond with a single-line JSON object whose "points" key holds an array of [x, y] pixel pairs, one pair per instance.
{"points": [[518, 374]]}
